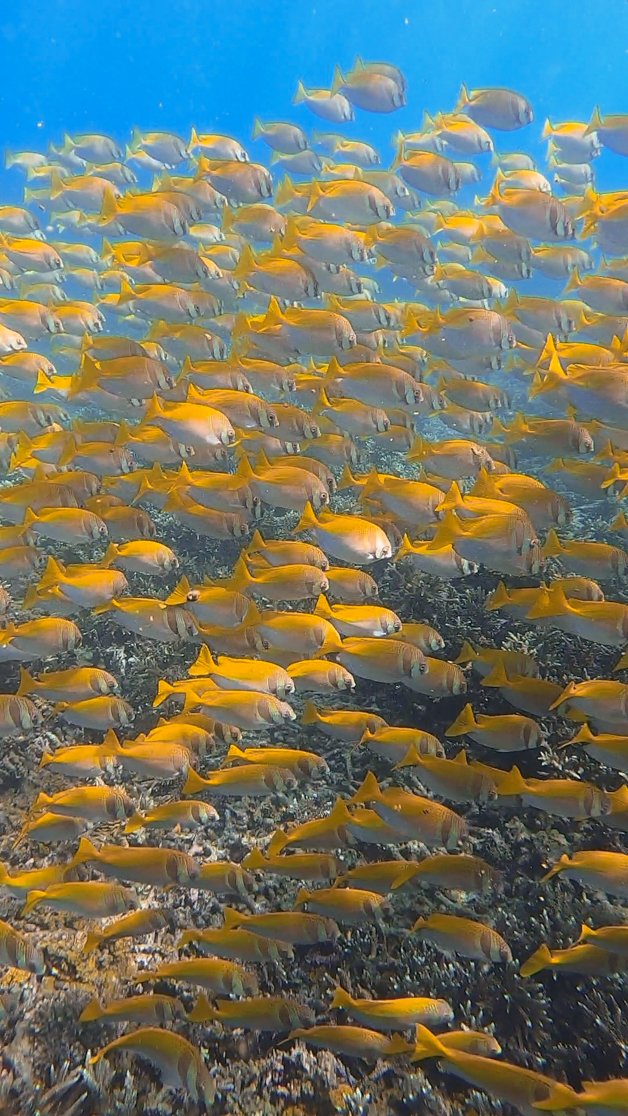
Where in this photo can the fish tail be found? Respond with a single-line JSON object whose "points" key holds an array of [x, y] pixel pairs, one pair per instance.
{"points": [[134, 823], [552, 547], [407, 873], [405, 548], [86, 851], [468, 654], [560, 866], [595, 122], [310, 715], [33, 898], [429, 1041], [347, 480], [242, 578], [513, 783], [202, 1011], [231, 918], [300, 94], [92, 942], [27, 684], [540, 959], [254, 859], [412, 758], [323, 607], [164, 691], [453, 499], [194, 782], [278, 842], [110, 555], [368, 791], [464, 722], [499, 598], [341, 999], [308, 520]]}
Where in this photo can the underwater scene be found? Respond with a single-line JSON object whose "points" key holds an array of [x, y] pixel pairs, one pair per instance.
{"points": [[313, 559]]}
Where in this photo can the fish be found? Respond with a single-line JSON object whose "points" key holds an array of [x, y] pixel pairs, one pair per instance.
{"points": [[464, 937], [460, 872], [603, 871], [236, 945], [77, 683], [346, 725], [88, 900], [246, 780], [176, 816], [504, 732], [248, 709], [602, 1097], [209, 973], [382, 660], [393, 1015], [232, 673], [523, 1088], [454, 779], [412, 816], [34, 879], [18, 714], [469, 1042], [157, 867], [320, 676], [610, 939], [394, 744], [349, 620], [291, 927], [353, 1042], [586, 959], [179, 1063], [224, 877], [346, 538], [81, 761], [95, 804], [608, 748], [346, 906], [19, 951], [563, 797], [147, 920], [48, 828], [147, 1009], [256, 1013]]}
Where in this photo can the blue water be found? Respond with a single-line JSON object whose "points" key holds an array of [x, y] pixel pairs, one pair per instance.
{"points": [[83, 65]]}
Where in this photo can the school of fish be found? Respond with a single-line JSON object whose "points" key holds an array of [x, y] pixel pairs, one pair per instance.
{"points": [[194, 343]]}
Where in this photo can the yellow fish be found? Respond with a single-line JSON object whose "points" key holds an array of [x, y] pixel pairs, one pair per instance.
{"points": [[602, 871], [180, 1064], [157, 867], [393, 1015], [147, 920], [19, 952], [134, 1009], [210, 973], [89, 900], [522, 1088], [248, 780], [256, 1013]]}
